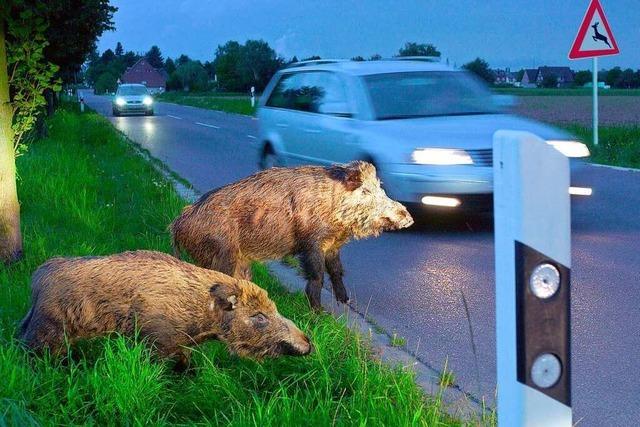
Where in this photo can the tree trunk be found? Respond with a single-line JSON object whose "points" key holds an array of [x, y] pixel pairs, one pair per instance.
{"points": [[10, 238]]}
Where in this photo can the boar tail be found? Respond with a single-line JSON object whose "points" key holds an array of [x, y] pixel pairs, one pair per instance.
{"points": [[174, 242], [22, 330]]}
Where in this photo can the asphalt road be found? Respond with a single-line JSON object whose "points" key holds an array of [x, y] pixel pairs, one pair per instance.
{"points": [[412, 282]]}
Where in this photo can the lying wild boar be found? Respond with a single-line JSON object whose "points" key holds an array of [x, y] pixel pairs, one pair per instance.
{"points": [[309, 211], [173, 303]]}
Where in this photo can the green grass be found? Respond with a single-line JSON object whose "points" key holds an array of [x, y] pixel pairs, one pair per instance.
{"points": [[618, 145], [521, 91], [84, 191], [229, 102], [397, 340]]}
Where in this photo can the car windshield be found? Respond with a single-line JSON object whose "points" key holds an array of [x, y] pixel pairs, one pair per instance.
{"points": [[426, 94], [132, 90]]}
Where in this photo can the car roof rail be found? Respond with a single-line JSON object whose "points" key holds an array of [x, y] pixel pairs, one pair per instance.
{"points": [[315, 62], [417, 58]]}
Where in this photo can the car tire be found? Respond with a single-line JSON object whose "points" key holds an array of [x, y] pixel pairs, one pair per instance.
{"points": [[149, 113], [269, 159], [116, 113]]}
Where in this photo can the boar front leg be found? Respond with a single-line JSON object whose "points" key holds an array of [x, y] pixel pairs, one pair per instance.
{"points": [[335, 270], [313, 266]]}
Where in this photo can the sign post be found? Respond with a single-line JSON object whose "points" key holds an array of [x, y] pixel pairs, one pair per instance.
{"points": [[593, 41], [533, 260]]}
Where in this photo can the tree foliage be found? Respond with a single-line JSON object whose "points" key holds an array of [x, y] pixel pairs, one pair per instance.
{"points": [[480, 68], [154, 57], [29, 72], [73, 28], [239, 67], [583, 77], [418, 49], [550, 81], [192, 76]]}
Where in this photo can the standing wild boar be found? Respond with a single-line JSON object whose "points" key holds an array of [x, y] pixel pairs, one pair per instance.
{"points": [[173, 303], [309, 211]]}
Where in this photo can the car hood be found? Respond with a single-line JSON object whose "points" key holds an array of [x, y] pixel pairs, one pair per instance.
{"points": [[466, 132]]}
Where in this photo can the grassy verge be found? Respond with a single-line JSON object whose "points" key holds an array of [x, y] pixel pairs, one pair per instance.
{"points": [[231, 103], [85, 191], [618, 145], [521, 91]]}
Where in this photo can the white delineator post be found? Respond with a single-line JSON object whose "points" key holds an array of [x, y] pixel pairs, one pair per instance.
{"points": [[533, 259], [595, 100]]}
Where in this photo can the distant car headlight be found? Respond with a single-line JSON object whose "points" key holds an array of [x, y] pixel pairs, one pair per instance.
{"points": [[147, 100], [441, 156], [570, 148], [120, 101]]}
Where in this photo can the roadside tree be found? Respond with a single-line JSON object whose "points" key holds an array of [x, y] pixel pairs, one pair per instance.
{"points": [[154, 57], [480, 68], [192, 76], [582, 77], [24, 76], [418, 49]]}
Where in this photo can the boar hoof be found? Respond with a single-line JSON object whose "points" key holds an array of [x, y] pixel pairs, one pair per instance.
{"points": [[342, 298]]}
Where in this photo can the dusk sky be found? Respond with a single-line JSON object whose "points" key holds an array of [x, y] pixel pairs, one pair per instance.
{"points": [[512, 34]]}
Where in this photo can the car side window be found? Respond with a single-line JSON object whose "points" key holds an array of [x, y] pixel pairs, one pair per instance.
{"points": [[315, 92], [286, 91]]}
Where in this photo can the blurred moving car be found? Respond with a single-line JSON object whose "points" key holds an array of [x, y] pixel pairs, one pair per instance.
{"points": [[132, 98], [427, 128]]}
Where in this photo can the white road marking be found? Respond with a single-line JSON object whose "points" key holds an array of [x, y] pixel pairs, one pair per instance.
{"points": [[174, 117], [618, 168], [208, 125], [251, 136]]}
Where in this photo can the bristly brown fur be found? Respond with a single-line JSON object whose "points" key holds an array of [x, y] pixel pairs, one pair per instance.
{"points": [[173, 303], [310, 211]]}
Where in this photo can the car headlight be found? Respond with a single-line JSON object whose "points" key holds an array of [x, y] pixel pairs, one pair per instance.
{"points": [[441, 156], [570, 148], [147, 100], [120, 101]]}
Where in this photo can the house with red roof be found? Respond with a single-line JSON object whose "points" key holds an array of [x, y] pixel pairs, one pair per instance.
{"points": [[143, 73]]}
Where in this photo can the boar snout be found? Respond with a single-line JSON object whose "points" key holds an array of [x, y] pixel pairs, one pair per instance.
{"points": [[296, 343], [398, 217]]}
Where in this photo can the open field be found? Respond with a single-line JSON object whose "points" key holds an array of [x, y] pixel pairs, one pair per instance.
{"points": [[229, 102], [84, 190], [565, 110], [520, 91]]}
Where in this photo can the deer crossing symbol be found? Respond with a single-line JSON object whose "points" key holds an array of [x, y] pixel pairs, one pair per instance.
{"points": [[597, 36]]}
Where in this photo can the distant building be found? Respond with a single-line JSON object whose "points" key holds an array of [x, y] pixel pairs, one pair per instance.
{"points": [[532, 77], [529, 78], [564, 75], [504, 77], [143, 73]]}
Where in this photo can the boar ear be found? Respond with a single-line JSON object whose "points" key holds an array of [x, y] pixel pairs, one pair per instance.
{"points": [[224, 297], [350, 175]]}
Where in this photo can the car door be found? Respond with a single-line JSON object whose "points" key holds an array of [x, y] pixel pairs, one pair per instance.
{"points": [[324, 123], [280, 115]]}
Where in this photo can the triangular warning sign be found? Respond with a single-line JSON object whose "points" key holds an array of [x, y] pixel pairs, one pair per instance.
{"points": [[595, 37]]}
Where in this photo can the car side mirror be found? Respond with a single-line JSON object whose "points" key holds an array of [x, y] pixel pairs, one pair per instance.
{"points": [[338, 109]]}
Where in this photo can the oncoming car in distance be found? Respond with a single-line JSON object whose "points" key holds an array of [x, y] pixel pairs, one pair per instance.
{"points": [[131, 99], [428, 128]]}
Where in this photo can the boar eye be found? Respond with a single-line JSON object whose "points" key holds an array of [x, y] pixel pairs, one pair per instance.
{"points": [[260, 320]]}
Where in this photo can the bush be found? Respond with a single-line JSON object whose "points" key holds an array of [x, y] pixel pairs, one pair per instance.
{"points": [[106, 83]]}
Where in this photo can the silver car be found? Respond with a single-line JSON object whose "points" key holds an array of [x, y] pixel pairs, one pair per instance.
{"points": [[427, 128], [132, 98]]}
